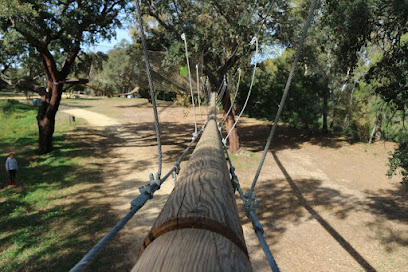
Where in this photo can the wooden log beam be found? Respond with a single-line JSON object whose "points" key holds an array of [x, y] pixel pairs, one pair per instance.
{"points": [[192, 250], [198, 229]]}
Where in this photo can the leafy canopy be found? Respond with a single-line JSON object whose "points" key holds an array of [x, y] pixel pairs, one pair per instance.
{"points": [[221, 30], [60, 27]]}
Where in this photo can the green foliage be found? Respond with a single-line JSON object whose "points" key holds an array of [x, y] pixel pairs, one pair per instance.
{"points": [[302, 108], [390, 76], [57, 30], [120, 70], [183, 71], [34, 30], [62, 22], [399, 161], [350, 24], [124, 68], [221, 30]]}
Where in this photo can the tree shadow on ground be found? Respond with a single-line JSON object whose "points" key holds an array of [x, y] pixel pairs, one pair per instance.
{"points": [[54, 213], [142, 135], [254, 137], [389, 206], [294, 200], [174, 137], [389, 203], [9, 94], [144, 104]]}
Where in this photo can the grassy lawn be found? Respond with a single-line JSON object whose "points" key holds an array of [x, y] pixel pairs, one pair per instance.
{"points": [[54, 215]]}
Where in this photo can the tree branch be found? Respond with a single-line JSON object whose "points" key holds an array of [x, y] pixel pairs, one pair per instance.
{"points": [[5, 78], [70, 59], [160, 21]]}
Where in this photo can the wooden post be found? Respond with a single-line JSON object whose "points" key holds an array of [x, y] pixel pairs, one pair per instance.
{"points": [[198, 228]]}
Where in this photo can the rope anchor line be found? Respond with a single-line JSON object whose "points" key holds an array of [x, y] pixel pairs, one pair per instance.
{"points": [[285, 92], [233, 101], [250, 206], [184, 38], [198, 92], [253, 41], [152, 93], [148, 188]]}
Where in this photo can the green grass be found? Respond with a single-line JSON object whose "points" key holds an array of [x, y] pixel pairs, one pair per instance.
{"points": [[53, 216], [245, 162]]}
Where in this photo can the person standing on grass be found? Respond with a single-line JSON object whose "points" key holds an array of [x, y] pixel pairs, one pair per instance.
{"points": [[11, 168]]}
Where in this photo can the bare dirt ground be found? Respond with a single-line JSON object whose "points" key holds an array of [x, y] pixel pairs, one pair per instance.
{"points": [[325, 204]]}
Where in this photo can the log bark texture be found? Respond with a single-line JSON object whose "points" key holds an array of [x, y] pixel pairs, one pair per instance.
{"points": [[192, 250], [200, 219]]}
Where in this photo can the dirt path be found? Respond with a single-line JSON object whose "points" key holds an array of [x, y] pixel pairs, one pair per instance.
{"points": [[129, 144], [325, 205]]}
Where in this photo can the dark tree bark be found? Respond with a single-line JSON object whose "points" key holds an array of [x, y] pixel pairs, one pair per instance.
{"points": [[378, 123], [52, 97], [46, 118], [233, 139], [229, 122]]}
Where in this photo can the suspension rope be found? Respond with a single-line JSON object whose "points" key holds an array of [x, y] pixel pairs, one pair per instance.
{"points": [[183, 37], [254, 40], [206, 103], [225, 90], [146, 193], [233, 101], [285, 92], [175, 178], [250, 206], [152, 93], [208, 88], [93, 253], [227, 94], [220, 89], [198, 93], [221, 93]]}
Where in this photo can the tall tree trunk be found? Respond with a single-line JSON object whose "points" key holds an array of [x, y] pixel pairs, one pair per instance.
{"points": [[378, 125], [46, 118], [325, 111], [50, 103], [46, 127], [233, 139], [326, 93], [229, 122], [348, 116], [376, 132]]}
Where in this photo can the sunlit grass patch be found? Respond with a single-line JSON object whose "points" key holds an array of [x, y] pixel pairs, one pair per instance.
{"points": [[245, 160], [54, 215]]}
